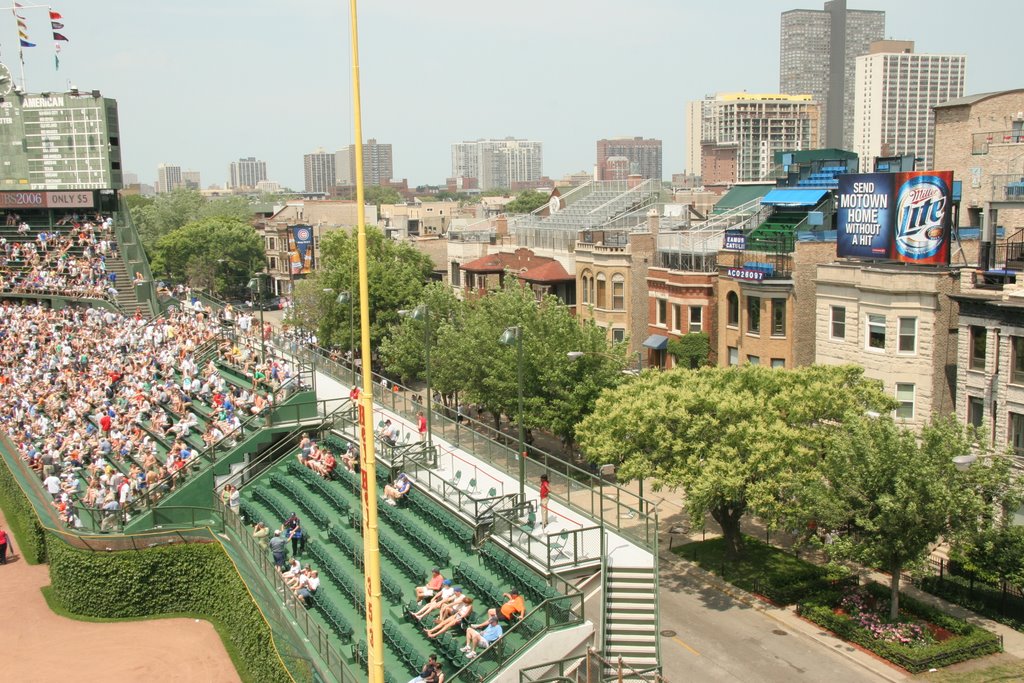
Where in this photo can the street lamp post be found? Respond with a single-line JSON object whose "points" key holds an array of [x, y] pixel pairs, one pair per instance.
{"points": [[422, 313], [347, 298], [256, 284], [514, 335]]}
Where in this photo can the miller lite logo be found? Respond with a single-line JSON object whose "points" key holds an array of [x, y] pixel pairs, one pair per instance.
{"points": [[921, 207]]}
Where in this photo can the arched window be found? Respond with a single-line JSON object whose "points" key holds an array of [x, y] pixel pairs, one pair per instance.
{"points": [[585, 284], [601, 295], [618, 292], [732, 301]]}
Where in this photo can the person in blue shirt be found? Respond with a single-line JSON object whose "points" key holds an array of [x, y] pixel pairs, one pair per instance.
{"points": [[483, 638]]}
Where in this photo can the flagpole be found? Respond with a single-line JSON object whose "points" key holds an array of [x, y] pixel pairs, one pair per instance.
{"points": [[371, 546]]}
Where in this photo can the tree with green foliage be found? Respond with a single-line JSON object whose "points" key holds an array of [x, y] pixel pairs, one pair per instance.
{"points": [[557, 390], [218, 254], [527, 201], [691, 350], [892, 493], [735, 440], [397, 274], [995, 554], [377, 195], [402, 351], [156, 217]]}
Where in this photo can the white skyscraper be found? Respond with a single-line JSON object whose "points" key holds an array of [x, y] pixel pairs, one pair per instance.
{"points": [[246, 173], [896, 90], [693, 119], [498, 163], [168, 178]]}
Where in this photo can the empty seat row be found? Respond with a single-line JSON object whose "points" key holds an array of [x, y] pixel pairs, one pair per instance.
{"points": [[402, 522], [321, 486], [348, 584], [440, 518], [301, 497]]}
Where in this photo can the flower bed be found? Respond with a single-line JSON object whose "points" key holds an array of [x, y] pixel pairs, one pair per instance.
{"points": [[921, 639]]}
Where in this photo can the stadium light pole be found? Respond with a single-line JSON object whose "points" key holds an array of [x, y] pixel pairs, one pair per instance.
{"points": [[422, 313], [343, 299], [514, 335], [256, 285]]}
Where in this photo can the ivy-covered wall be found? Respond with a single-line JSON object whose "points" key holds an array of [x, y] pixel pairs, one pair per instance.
{"points": [[29, 538], [195, 577]]}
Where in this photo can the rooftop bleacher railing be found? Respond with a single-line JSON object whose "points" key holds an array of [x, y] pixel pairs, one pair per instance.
{"points": [[620, 509], [981, 142], [1008, 187], [591, 667], [553, 614]]}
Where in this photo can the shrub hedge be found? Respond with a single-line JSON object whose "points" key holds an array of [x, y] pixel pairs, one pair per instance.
{"points": [[194, 577], [21, 517], [969, 642]]}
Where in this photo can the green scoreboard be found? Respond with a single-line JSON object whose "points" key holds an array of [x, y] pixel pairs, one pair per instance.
{"points": [[59, 141]]}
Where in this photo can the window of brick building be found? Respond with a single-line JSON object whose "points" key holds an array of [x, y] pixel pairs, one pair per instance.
{"points": [[754, 314], [979, 342], [838, 322]]}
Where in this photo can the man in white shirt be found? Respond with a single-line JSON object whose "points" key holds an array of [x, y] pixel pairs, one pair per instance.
{"points": [[52, 484], [307, 586]]}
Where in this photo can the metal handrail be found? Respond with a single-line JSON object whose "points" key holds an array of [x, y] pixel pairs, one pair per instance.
{"points": [[544, 609]]}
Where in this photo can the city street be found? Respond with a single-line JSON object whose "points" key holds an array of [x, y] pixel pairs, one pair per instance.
{"points": [[718, 638]]}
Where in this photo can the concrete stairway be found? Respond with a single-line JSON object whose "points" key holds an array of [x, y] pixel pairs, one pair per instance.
{"points": [[631, 620]]}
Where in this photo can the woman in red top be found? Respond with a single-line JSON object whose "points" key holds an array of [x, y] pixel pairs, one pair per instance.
{"points": [[422, 424], [545, 490], [4, 543]]}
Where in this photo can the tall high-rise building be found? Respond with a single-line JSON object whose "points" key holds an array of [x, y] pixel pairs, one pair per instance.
{"points": [[741, 132], [642, 157], [693, 109], [818, 53], [319, 169], [190, 180], [498, 163], [168, 178], [896, 90], [377, 163], [245, 173]]}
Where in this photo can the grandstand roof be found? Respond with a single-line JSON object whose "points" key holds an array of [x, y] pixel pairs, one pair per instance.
{"points": [[741, 194]]}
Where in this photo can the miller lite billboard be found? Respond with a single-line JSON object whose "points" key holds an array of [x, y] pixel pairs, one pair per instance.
{"points": [[895, 216]]}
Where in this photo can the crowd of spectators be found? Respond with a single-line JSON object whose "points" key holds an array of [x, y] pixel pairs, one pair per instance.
{"points": [[454, 609], [69, 259], [99, 404]]}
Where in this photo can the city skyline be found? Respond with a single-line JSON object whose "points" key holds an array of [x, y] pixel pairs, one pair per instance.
{"points": [[197, 75]]}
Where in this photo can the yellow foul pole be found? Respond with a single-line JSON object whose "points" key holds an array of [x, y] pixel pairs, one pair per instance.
{"points": [[371, 547]]}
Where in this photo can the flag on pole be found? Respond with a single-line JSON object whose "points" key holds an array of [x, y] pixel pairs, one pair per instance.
{"points": [[25, 43], [56, 26]]}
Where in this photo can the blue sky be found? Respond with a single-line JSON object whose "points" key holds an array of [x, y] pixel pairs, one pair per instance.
{"points": [[202, 82]]}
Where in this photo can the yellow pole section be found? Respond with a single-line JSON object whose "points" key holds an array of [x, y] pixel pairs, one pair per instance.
{"points": [[371, 547]]}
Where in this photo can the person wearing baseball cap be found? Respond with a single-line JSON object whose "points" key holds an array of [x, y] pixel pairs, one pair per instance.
{"points": [[434, 584], [485, 638]]}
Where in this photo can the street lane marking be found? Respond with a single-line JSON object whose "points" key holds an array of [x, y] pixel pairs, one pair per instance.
{"points": [[683, 643]]}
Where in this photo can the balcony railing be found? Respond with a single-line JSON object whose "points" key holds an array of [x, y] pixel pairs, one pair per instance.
{"points": [[982, 141], [1008, 187]]}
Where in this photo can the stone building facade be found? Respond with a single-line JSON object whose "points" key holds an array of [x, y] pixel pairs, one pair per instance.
{"points": [[898, 322], [611, 281], [990, 367]]}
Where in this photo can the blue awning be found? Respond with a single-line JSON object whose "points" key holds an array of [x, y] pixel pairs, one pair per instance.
{"points": [[785, 196], [656, 342]]}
